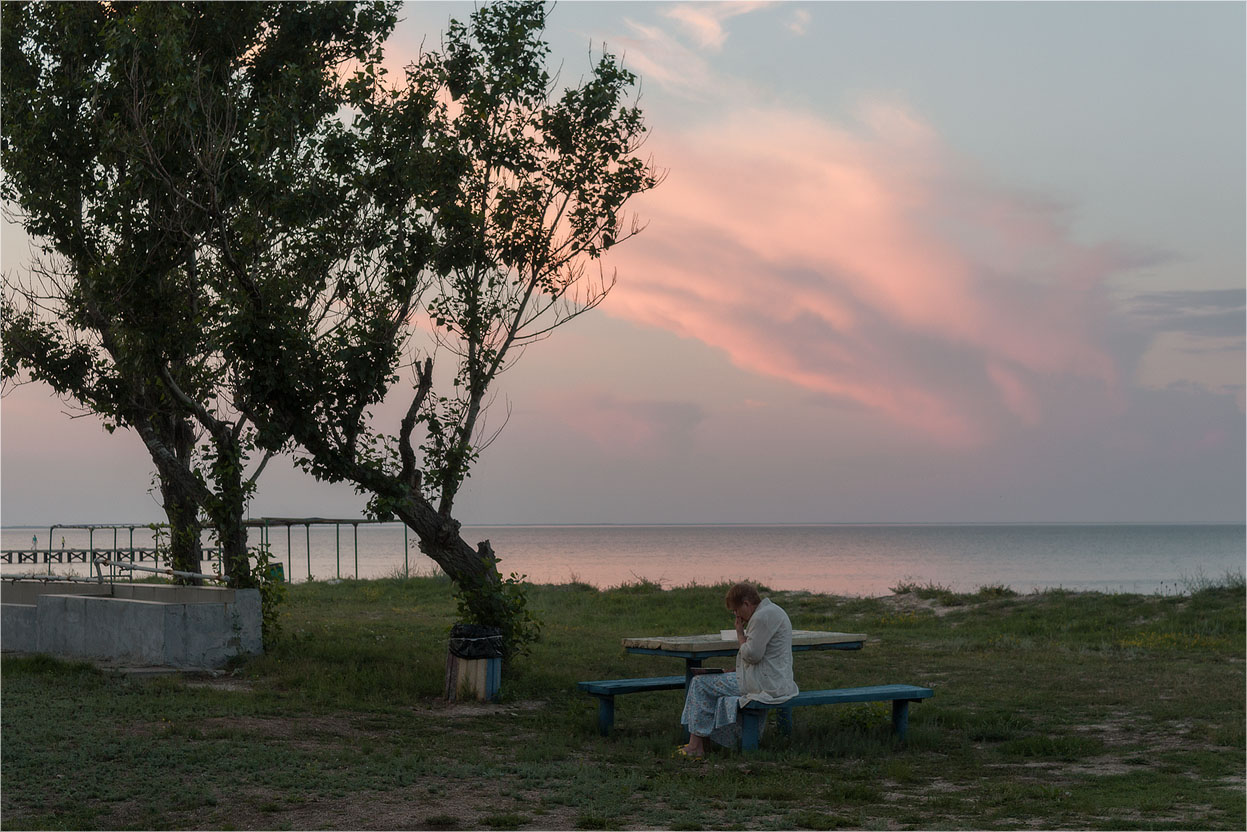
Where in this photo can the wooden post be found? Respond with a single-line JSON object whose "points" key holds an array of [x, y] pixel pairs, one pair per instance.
{"points": [[478, 679]]}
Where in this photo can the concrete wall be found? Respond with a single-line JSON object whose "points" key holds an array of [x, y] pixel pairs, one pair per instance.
{"points": [[28, 592], [18, 630], [142, 624]]}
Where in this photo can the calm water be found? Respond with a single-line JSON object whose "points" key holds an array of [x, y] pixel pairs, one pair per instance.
{"points": [[842, 559]]}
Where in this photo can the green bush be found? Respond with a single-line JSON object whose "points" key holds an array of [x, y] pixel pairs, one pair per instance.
{"points": [[502, 604]]}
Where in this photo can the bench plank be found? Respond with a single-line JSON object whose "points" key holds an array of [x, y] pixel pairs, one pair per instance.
{"points": [[871, 693], [607, 689], [752, 714], [615, 687]]}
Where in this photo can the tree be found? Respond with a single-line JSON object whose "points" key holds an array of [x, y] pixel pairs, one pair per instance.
{"points": [[127, 128], [482, 195]]}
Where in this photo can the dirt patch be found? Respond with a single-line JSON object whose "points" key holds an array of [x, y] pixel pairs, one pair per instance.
{"points": [[433, 803], [1099, 766], [471, 710], [1125, 732], [224, 682]]}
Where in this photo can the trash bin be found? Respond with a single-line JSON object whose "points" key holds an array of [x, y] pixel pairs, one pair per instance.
{"points": [[474, 663], [277, 573]]}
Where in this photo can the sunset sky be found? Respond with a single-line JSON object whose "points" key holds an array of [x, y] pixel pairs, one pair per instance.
{"points": [[931, 262]]}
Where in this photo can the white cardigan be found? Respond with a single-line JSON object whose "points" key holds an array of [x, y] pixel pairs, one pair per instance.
{"points": [[764, 663]]}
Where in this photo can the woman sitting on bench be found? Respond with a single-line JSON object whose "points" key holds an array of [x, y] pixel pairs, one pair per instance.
{"points": [[763, 673]]}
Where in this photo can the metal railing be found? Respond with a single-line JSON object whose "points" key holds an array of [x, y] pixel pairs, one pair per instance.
{"points": [[131, 554]]}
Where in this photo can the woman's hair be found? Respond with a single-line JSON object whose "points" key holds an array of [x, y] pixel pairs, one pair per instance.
{"points": [[742, 593]]}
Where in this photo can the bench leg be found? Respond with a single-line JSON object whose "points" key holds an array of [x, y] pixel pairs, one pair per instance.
{"points": [[900, 717], [606, 714], [750, 728]]}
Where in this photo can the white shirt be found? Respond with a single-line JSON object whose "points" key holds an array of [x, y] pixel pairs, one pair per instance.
{"points": [[764, 663]]}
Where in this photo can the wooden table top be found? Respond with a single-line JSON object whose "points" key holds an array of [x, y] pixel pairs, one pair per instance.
{"points": [[715, 641]]}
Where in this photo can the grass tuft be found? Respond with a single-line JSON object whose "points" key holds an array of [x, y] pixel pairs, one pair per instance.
{"points": [[1231, 583]]}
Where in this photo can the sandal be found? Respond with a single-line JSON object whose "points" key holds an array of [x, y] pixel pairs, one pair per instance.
{"points": [[682, 752]]}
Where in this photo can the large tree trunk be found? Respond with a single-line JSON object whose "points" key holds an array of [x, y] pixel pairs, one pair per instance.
{"points": [[185, 548], [232, 536], [225, 506], [181, 507], [439, 538], [227, 511]]}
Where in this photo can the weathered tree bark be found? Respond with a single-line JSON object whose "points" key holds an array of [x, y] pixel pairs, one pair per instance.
{"points": [[226, 512], [225, 507], [181, 508], [439, 538]]}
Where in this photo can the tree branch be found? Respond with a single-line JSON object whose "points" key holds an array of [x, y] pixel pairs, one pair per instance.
{"points": [[409, 474], [259, 470], [214, 425], [169, 464]]}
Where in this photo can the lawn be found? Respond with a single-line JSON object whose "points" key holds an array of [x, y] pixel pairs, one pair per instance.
{"points": [[1051, 710]]}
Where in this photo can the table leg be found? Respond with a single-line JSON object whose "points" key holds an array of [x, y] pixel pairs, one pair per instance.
{"points": [[689, 664]]}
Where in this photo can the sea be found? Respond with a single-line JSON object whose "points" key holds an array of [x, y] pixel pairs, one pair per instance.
{"points": [[845, 559]]}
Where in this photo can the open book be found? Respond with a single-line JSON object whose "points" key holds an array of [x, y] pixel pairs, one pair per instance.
{"points": [[727, 635]]}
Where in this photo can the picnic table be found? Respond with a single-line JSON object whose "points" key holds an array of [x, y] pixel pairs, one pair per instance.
{"points": [[695, 649]]}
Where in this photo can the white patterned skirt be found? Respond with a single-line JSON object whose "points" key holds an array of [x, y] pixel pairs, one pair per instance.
{"points": [[711, 706]]}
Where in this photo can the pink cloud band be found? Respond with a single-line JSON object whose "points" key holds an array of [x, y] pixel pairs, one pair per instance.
{"points": [[871, 266]]}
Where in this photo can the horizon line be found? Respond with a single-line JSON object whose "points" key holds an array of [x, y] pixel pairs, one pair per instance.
{"points": [[692, 524]]}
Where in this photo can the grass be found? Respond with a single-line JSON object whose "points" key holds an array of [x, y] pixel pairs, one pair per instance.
{"points": [[1052, 710]]}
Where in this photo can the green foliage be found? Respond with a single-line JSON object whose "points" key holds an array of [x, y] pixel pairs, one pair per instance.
{"points": [[946, 596], [929, 590], [1232, 582], [641, 586], [273, 591], [145, 144], [989, 591], [502, 604], [474, 196], [229, 256], [1056, 747]]}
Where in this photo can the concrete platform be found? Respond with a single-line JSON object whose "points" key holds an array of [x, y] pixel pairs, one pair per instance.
{"points": [[135, 624]]}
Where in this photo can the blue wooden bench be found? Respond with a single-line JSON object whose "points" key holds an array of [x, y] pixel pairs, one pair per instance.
{"points": [[900, 696], [607, 689]]}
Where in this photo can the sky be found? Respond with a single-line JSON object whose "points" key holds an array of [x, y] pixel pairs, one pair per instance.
{"points": [[910, 262]]}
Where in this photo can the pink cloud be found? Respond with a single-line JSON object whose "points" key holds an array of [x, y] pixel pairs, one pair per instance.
{"points": [[661, 58], [630, 425], [704, 21], [871, 265]]}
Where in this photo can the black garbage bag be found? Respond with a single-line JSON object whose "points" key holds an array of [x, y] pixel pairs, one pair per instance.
{"points": [[473, 641]]}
